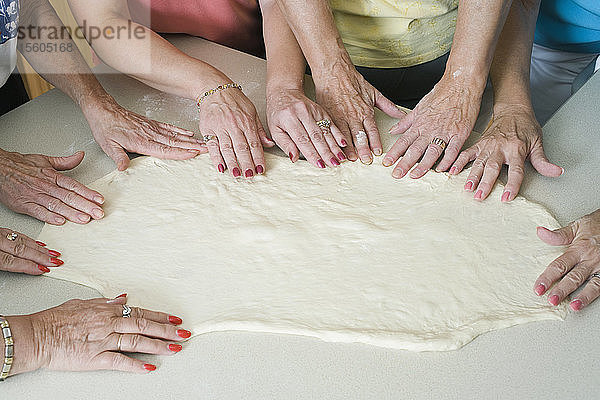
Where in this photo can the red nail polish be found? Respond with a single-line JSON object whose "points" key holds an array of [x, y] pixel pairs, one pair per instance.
{"points": [[249, 173], [344, 143], [321, 164], [41, 243], [221, 168], [540, 289], [57, 261], [121, 296], [259, 169], [175, 348], [469, 185], [334, 161], [553, 300], [236, 172], [175, 320], [43, 269], [183, 333], [505, 196], [54, 253], [479, 194], [150, 367], [576, 305], [341, 156], [291, 157]]}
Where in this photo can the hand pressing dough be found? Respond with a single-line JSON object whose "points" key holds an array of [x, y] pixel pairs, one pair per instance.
{"points": [[344, 254]]}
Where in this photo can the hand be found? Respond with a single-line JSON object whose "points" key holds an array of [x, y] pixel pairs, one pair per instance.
{"points": [[30, 184], [572, 269], [25, 255], [118, 130], [513, 135], [292, 119], [350, 100], [449, 113], [239, 136], [83, 335]]}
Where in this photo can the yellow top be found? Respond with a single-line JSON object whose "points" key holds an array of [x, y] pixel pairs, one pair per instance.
{"points": [[395, 33]]}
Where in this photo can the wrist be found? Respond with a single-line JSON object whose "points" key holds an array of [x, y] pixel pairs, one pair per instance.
{"points": [[467, 76], [25, 351], [512, 107], [338, 67]]}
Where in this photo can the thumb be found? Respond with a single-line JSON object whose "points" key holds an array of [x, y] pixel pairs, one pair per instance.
{"points": [[404, 123], [541, 164], [558, 237], [388, 106], [66, 163], [263, 134]]}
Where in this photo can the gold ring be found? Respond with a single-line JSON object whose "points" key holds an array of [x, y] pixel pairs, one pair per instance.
{"points": [[119, 342], [440, 142], [324, 123]]}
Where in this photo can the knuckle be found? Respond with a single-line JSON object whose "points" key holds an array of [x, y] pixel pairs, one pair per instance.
{"points": [[243, 147], [53, 204], [226, 147], [479, 163], [19, 249], [302, 139], [575, 278], [254, 144], [134, 341], [317, 135], [560, 266], [141, 324], [7, 260]]}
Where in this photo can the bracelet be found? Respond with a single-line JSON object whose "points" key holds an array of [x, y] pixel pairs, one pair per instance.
{"points": [[9, 350], [219, 88]]}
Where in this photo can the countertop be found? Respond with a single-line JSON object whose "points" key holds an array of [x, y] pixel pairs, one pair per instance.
{"points": [[533, 361]]}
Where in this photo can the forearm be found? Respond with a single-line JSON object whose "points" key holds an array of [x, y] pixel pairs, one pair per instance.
{"points": [[510, 68]]}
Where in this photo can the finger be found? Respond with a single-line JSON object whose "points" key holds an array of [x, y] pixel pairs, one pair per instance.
{"points": [[404, 124], [214, 153], [373, 133], [44, 215], [72, 185], [302, 139], [141, 344], [256, 149], [569, 283], [399, 148], [558, 237], [410, 158], [589, 293], [242, 152], [262, 133], [432, 154], [347, 142], [516, 173], [10, 263], [476, 173], [20, 248], [333, 146], [556, 270], [109, 360], [541, 164], [463, 159], [66, 163], [285, 143], [155, 316], [55, 205], [118, 155], [493, 166], [338, 135], [84, 207], [226, 150], [165, 152], [182, 142], [318, 140], [450, 153], [174, 129], [361, 143], [149, 328], [29, 242], [388, 106]]}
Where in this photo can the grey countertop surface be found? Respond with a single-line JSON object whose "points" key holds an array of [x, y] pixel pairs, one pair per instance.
{"points": [[533, 361]]}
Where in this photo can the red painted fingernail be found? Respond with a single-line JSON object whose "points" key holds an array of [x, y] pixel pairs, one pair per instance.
{"points": [[540, 289], [452, 170], [121, 296], [259, 169], [175, 348], [344, 143], [469, 185], [334, 161], [175, 320], [183, 333], [56, 261], [291, 157], [236, 172], [341, 156], [43, 269], [576, 305], [54, 253], [150, 367], [479, 194], [505, 196], [41, 243], [321, 164], [221, 168], [553, 300], [249, 173]]}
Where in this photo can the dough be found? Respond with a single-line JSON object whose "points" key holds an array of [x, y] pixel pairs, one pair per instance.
{"points": [[343, 254]]}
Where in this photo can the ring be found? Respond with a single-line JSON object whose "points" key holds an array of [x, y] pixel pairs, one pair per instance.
{"points": [[440, 142], [594, 275], [208, 138], [119, 342], [324, 123], [12, 236], [126, 311], [361, 137]]}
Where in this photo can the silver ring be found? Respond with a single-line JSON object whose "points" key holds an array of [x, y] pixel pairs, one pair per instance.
{"points": [[594, 275], [12, 236], [126, 311], [324, 123], [208, 138], [440, 142], [119, 342]]}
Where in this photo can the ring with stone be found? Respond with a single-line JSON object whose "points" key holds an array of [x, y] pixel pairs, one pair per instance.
{"points": [[126, 311], [208, 138], [440, 142], [12, 236], [324, 123]]}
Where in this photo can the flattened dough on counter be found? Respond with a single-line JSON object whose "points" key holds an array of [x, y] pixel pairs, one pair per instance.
{"points": [[343, 254]]}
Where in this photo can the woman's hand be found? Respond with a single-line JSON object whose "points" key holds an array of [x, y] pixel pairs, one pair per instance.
{"points": [[237, 134], [448, 113], [571, 270], [118, 130], [513, 136], [30, 184], [18, 253], [86, 335], [350, 100], [292, 119]]}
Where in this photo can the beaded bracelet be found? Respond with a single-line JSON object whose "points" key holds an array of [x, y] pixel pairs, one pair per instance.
{"points": [[219, 88], [9, 351]]}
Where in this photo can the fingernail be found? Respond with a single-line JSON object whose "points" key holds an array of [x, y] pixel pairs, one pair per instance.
{"points": [[291, 157], [236, 172], [321, 164], [469, 186], [562, 171], [387, 162], [479, 194], [175, 348], [40, 243], [121, 296], [98, 213], [334, 161], [175, 320], [341, 156], [452, 170], [150, 367], [505, 196], [54, 253], [540, 289], [183, 333], [344, 143], [415, 173], [99, 199], [366, 161], [259, 169], [377, 152], [59, 220], [553, 300], [249, 173], [84, 217], [43, 269], [57, 261], [398, 173], [576, 305], [221, 168]]}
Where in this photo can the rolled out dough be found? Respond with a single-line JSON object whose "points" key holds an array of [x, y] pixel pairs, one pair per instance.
{"points": [[343, 254]]}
